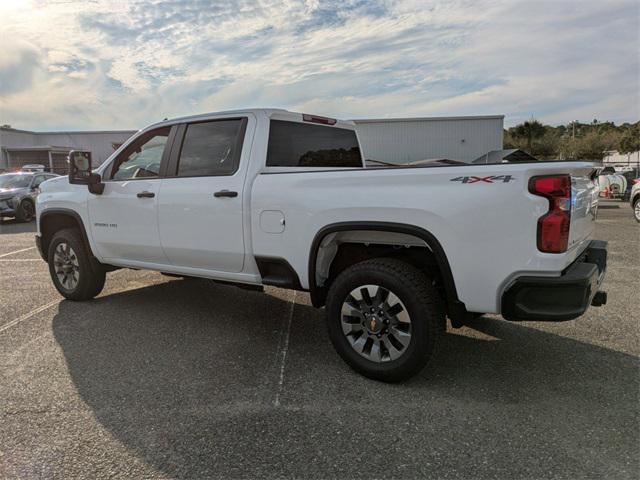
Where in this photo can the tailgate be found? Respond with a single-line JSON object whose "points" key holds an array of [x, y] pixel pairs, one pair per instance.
{"points": [[584, 206]]}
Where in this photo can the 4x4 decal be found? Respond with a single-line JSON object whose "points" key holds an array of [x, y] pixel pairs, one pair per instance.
{"points": [[489, 179]]}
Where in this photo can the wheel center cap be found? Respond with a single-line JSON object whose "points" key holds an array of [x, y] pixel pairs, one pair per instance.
{"points": [[375, 324]]}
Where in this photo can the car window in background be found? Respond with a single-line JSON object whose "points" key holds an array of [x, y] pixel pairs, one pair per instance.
{"points": [[293, 144], [15, 181], [211, 148], [142, 158], [38, 180]]}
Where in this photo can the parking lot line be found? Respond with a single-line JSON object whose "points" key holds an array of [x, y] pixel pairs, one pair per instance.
{"points": [[17, 251], [28, 315], [285, 348], [21, 260]]}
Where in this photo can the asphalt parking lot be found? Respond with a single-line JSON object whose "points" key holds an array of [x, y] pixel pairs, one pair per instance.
{"points": [[170, 378]]}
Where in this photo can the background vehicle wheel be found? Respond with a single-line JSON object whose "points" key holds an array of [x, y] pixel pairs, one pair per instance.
{"points": [[76, 274], [636, 209], [26, 211], [384, 318]]}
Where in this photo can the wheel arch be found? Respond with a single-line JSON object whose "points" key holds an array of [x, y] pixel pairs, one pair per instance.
{"points": [[55, 219], [455, 308]]}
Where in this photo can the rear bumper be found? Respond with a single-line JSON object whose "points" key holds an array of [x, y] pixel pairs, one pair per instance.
{"points": [[559, 298]]}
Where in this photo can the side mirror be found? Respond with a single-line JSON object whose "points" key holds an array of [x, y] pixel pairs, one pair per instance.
{"points": [[80, 172]]}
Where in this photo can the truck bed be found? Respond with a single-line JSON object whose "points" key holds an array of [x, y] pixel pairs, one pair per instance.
{"points": [[484, 216]]}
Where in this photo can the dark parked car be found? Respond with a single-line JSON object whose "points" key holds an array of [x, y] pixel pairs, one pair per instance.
{"points": [[18, 192], [634, 199]]}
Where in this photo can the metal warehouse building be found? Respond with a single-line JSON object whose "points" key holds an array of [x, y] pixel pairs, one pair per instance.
{"points": [[404, 140], [22, 147], [391, 140]]}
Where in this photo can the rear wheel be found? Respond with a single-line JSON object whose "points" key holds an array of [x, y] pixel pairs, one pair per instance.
{"points": [[636, 209], [384, 318], [76, 274], [26, 211]]}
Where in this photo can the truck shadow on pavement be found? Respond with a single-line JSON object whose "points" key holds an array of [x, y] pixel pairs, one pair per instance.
{"points": [[185, 374]]}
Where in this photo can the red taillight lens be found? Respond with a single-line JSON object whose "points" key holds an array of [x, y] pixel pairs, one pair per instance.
{"points": [[553, 227]]}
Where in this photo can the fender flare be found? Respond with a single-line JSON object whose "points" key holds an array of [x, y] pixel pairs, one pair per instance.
{"points": [[455, 308], [69, 213]]}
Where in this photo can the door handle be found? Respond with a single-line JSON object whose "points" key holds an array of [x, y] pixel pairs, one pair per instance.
{"points": [[225, 193], [146, 194]]}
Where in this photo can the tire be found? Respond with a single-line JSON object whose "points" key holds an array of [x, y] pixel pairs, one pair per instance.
{"points": [[76, 274], [636, 209], [25, 211], [418, 300]]}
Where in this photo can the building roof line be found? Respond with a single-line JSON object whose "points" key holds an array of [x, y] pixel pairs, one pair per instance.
{"points": [[65, 132], [427, 119], [38, 148]]}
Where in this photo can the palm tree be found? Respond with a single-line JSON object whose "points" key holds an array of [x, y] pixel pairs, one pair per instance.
{"points": [[530, 130]]}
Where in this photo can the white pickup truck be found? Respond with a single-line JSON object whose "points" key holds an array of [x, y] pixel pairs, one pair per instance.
{"points": [[270, 197]]}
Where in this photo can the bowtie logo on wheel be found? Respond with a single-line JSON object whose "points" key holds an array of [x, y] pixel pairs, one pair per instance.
{"points": [[489, 179]]}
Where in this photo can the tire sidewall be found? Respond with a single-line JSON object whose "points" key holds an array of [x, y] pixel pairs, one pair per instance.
{"points": [[61, 237], [422, 339], [635, 205]]}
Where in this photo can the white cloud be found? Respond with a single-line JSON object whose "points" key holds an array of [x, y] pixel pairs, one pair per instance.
{"points": [[128, 63]]}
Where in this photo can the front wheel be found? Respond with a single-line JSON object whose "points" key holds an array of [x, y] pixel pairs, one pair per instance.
{"points": [[385, 318], [636, 209], [76, 274]]}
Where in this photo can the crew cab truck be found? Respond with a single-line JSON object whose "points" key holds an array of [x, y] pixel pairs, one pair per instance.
{"points": [[270, 197]]}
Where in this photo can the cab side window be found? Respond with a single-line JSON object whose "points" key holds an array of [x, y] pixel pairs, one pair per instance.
{"points": [[211, 148], [142, 158]]}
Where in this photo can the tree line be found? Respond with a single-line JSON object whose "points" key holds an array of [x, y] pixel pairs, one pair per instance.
{"points": [[576, 140]]}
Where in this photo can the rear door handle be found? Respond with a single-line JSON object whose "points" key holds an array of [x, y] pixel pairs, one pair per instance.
{"points": [[225, 193], [146, 194]]}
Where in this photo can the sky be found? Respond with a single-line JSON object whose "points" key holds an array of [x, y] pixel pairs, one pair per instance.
{"points": [[124, 64]]}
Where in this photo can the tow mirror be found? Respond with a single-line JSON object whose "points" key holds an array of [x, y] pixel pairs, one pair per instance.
{"points": [[80, 171]]}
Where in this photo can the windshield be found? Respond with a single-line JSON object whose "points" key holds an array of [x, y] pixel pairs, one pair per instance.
{"points": [[15, 181]]}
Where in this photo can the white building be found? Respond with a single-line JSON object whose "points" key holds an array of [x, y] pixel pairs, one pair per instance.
{"points": [[405, 140], [614, 158], [21, 147]]}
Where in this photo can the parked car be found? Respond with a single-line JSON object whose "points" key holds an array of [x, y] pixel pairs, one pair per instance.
{"points": [[18, 192], [632, 177], [34, 167], [269, 197], [634, 199]]}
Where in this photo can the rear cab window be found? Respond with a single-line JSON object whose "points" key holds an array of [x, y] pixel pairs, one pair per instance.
{"points": [[295, 144]]}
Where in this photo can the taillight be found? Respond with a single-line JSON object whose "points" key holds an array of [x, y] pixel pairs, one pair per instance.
{"points": [[553, 226]]}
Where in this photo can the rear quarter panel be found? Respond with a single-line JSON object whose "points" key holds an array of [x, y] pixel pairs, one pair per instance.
{"points": [[487, 230]]}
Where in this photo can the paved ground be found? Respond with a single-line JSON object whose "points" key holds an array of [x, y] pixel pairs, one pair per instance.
{"points": [[186, 379]]}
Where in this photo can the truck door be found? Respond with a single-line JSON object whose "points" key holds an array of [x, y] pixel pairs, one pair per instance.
{"points": [[200, 206], [124, 219]]}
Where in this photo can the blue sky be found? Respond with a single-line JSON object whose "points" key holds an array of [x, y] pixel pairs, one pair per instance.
{"points": [[124, 64]]}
